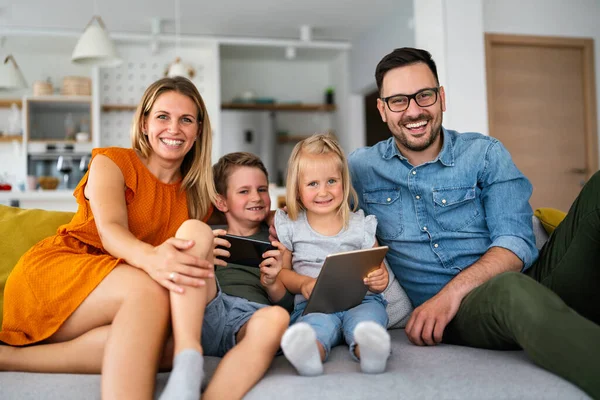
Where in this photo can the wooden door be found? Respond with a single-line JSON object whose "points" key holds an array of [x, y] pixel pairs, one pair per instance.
{"points": [[542, 107]]}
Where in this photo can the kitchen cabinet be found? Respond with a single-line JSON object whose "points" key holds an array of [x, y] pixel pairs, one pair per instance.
{"points": [[57, 118], [55, 127]]}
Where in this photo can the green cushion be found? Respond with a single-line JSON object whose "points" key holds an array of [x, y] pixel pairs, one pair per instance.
{"points": [[550, 218], [19, 230]]}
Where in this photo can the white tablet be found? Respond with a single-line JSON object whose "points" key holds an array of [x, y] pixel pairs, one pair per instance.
{"points": [[340, 284]]}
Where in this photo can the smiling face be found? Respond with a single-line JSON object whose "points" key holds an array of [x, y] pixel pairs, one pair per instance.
{"points": [[246, 203], [320, 185], [417, 129], [172, 126]]}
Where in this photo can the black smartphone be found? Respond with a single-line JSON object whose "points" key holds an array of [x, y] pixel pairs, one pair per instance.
{"points": [[246, 251]]}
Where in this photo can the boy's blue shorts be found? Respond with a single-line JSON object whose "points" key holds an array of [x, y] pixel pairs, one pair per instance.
{"points": [[223, 318]]}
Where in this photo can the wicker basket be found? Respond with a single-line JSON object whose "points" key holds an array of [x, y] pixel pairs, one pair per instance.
{"points": [[76, 86], [42, 88]]}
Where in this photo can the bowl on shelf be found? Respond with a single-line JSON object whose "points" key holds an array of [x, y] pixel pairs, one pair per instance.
{"points": [[48, 182]]}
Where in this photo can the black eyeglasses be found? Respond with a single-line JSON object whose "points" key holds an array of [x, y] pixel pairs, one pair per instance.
{"points": [[400, 102]]}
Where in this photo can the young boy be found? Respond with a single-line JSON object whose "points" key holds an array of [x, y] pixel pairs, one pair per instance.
{"points": [[240, 324], [241, 180]]}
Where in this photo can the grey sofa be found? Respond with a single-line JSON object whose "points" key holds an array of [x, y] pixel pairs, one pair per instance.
{"points": [[440, 372]]}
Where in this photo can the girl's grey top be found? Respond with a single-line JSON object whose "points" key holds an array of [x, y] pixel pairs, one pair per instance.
{"points": [[309, 248]]}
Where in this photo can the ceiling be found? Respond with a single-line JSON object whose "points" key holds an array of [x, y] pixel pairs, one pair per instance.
{"points": [[331, 20]]}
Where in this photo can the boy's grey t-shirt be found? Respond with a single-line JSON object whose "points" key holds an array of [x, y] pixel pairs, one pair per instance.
{"points": [[309, 248]]}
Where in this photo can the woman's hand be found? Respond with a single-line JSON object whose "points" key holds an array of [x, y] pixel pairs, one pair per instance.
{"points": [[218, 252], [377, 280], [307, 287], [272, 264], [170, 266]]}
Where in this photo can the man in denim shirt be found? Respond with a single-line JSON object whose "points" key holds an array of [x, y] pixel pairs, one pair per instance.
{"points": [[454, 210]]}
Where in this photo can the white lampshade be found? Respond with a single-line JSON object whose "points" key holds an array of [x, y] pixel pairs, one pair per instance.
{"points": [[11, 76], [177, 68], [95, 48]]}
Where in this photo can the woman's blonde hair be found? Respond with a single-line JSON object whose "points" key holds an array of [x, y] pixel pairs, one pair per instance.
{"points": [[196, 168], [318, 144]]}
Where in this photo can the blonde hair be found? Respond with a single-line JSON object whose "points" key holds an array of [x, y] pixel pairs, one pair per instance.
{"points": [[196, 167], [318, 144]]}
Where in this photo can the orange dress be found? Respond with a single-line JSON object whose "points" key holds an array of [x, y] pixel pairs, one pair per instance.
{"points": [[54, 277]]}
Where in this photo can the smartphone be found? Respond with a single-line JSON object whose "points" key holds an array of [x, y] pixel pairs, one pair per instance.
{"points": [[245, 251]]}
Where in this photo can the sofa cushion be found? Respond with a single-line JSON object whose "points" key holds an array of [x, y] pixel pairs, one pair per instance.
{"points": [[20, 229], [550, 218]]}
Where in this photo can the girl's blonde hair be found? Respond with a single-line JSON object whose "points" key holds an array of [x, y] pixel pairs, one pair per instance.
{"points": [[196, 168], [318, 144]]}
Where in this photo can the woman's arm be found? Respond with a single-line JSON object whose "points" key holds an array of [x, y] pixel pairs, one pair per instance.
{"points": [[105, 190]]}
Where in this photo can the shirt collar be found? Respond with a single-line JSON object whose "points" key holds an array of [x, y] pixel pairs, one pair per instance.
{"points": [[446, 156]]}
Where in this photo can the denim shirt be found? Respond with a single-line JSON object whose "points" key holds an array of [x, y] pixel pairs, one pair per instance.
{"points": [[440, 217]]}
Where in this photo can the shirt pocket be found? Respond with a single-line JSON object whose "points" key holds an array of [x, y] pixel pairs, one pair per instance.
{"points": [[455, 208], [386, 205]]}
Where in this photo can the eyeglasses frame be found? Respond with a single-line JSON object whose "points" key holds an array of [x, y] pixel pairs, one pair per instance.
{"points": [[413, 96]]}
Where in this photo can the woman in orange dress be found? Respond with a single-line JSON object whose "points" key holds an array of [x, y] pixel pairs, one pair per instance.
{"points": [[94, 293]]}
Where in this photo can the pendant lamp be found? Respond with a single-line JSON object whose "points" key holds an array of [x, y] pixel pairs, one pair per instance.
{"points": [[177, 67], [11, 76], [95, 48]]}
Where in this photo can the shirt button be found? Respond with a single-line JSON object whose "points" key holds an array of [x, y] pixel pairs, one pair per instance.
{"points": [[414, 172], [389, 199], [424, 228], [436, 245], [443, 201], [417, 197]]}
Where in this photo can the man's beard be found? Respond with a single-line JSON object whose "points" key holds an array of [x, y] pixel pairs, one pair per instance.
{"points": [[403, 138]]}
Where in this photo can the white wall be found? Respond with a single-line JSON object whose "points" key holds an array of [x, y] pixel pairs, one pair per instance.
{"points": [[452, 31], [283, 80], [396, 30], [568, 18]]}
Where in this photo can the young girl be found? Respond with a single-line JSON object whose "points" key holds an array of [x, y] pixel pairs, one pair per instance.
{"points": [[319, 221]]}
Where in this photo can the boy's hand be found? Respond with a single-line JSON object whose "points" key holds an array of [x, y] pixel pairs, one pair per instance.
{"points": [[219, 241], [307, 287], [272, 264], [377, 280]]}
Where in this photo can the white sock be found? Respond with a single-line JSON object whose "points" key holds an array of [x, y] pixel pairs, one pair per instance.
{"points": [[186, 377], [299, 344], [374, 342]]}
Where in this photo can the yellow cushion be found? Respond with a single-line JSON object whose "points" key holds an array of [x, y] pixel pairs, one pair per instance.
{"points": [[19, 230], [550, 218]]}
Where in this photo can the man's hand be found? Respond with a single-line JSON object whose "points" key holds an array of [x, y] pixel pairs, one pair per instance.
{"points": [[428, 321]]}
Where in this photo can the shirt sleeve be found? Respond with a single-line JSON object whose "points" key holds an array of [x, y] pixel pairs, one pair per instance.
{"points": [[370, 227], [505, 193], [283, 226]]}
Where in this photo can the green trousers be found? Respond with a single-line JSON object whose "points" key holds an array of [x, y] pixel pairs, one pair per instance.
{"points": [[552, 310]]}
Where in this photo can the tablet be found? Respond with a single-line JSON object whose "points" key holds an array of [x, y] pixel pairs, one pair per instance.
{"points": [[340, 283], [245, 250]]}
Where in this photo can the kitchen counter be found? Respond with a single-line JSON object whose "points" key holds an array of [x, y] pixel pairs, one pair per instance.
{"points": [[63, 200], [58, 200]]}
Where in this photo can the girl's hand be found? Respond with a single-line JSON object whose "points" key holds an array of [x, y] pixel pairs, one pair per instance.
{"points": [[219, 241], [307, 287], [171, 267], [377, 280], [272, 264]]}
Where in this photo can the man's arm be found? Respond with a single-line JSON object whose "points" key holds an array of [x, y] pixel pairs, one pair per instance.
{"points": [[428, 321], [505, 194]]}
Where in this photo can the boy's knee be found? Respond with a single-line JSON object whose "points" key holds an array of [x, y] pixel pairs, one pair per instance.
{"points": [[194, 229], [274, 317]]}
